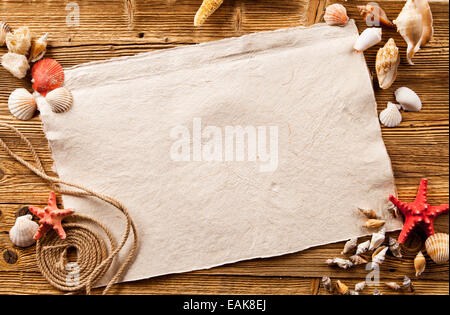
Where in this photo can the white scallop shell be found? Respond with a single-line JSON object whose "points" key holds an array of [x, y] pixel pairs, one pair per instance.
{"points": [[336, 14], [21, 234], [22, 104], [60, 100], [4, 29], [408, 99], [368, 38], [391, 116], [437, 247], [388, 59], [16, 64]]}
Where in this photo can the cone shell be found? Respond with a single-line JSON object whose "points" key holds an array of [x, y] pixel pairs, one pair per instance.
{"points": [[391, 116], [368, 38], [60, 100], [19, 41], [363, 248], [207, 8], [437, 248], [21, 234], [388, 59], [47, 75], [341, 288], [16, 64], [358, 260], [369, 213], [408, 99], [4, 30], [38, 48], [336, 14], [22, 104], [374, 223], [419, 264]]}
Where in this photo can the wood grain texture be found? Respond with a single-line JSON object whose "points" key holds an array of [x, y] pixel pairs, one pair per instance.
{"points": [[419, 147]]}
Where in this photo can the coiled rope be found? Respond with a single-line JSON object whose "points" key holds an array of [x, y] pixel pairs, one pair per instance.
{"points": [[93, 260]]}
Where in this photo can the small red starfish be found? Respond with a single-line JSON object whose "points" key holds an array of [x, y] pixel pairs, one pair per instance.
{"points": [[51, 217], [418, 213]]}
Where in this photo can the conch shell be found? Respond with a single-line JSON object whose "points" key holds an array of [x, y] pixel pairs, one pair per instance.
{"points": [[341, 263], [38, 48], [357, 260], [437, 247], [408, 285], [4, 30], [419, 264], [368, 38], [379, 255], [388, 59], [207, 8], [424, 8], [19, 41], [363, 248], [336, 14], [374, 15], [350, 245], [377, 239], [395, 248], [16, 64], [21, 234]]}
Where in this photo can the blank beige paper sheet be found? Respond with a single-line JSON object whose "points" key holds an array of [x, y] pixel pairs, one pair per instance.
{"points": [[306, 85]]}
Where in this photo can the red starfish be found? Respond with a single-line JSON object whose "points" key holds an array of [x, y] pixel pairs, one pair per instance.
{"points": [[51, 217], [418, 213]]}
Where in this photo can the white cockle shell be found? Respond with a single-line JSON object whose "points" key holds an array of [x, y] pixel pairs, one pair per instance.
{"points": [[21, 234], [60, 100], [22, 104], [408, 99]]}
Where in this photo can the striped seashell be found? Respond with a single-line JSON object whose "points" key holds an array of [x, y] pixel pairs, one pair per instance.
{"points": [[336, 14], [47, 75], [22, 104], [21, 234], [391, 116], [437, 248], [60, 100]]}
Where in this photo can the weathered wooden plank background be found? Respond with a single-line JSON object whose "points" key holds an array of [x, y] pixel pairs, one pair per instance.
{"points": [[111, 28]]}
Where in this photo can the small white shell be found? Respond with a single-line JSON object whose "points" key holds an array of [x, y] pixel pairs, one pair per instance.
{"points": [[38, 48], [388, 59], [357, 260], [16, 64], [350, 245], [22, 104], [437, 247], [360, 286], [21, 234], [19, 41], [377, 239], [391, 116], [379, 255], [60, 100], [368, 38], [336, 14], [363, 248], [341, 263], [408, 99], [4, 29]]}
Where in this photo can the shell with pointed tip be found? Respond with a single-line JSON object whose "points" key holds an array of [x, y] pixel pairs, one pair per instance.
{"points": [[60, 100], [16, 64], [437, 248], [408, 285], [357, 260], [22, 104], [408, 99], [4, 30], [47, 75], [19, 41], [369, 213], [379, 255], [326, 282], [336, 14], [350, 245], [391, 116], [341, 288], [374, 15], [374, 223], [395, 248], [207, 8], [424, 8], [360, 286], [419, 264], [388, 59], [393, 286], [21, 234], [377, 239], [368, 38], [363, 248], [38, 48]]}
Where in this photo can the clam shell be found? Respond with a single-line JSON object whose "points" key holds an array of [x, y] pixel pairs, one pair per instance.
{"points": [[368, 38], [336, 14], [60, 100], [47, 75], [22, 233], [19, 41], [16, 64], [419, 264], [408, 99], [4, 29], [22, 104], [388, 59], [391, 116], [38, 48], [437, 248]]}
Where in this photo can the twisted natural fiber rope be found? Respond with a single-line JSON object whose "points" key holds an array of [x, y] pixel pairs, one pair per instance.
{"points": [[93, 260]]}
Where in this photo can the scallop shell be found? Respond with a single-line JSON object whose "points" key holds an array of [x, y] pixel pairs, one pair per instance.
{"points": [[19, 41], [336, 14], [22, 104], [207, 8], [368, 38], [60, 100], [388, 59], [47, 75], [377, 239], [419, 264], [408, 99], [363, 248], [424, 8], [369, 213], [374, 223], [350, 245], [375, 15], [38, 48], [4, 30], [437, 248], [21, 234], [391, 116], [341, 288], [16, 64]]}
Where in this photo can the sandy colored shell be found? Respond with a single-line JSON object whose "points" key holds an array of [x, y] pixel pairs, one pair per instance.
{"points": [[419, 264], [341, 288], [38, 48], [379, 255], [357, 260], [408, 99], [377, 239], [22, 104], [60, 100], [336, 14], [437, 247], [4, 30], [369, 213], [393, 286], [47, 75], [374, 223], [427, 17], [387, 62], [21, 234], [207, 8], [19, 41], [368, 38], [391, 116], [16, 64]]}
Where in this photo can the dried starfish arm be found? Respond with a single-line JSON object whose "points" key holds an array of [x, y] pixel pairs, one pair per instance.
{"points": [[207, 8]]}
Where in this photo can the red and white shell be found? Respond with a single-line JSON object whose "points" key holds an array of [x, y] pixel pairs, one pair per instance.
{"points": [[47, 75]]}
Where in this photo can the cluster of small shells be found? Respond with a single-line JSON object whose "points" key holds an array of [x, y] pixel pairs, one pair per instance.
{"points": [[342, 289], [408, 101]]}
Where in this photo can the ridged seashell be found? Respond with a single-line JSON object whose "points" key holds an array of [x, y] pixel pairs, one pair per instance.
{"points": [[374, 15], [393, 286], [377, 292], [424, 8], [60, 100], [419, 264], [368, 38], [350, 245], [360, 286], [336, 14], [38, 48], [22, 104], [391, 116], [326, 282], [408, 99], [47, 75], [437, 248], [4, 29], [207, 8], [388, 59], [341, 288], [408, 285], [16, 64], [369, 213], [374, 223], [363, 248], [341, 263], [395, 248], [21, 234], [377, 239], [357, 260], [379, 255], [19, 41]]}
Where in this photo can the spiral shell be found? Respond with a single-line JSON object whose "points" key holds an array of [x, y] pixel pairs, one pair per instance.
{"points": [[377, 239], [408, 99], [336, 14], [60, 100], [19, 41], [22, 104], [16, 64], [368, 38], [388, 59], [47, 75], [21, 234], [341, 288], [437, 248], [420, 263], [350, 245], [374, 223], [38, 48], [4, 30], [391, 116]]}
